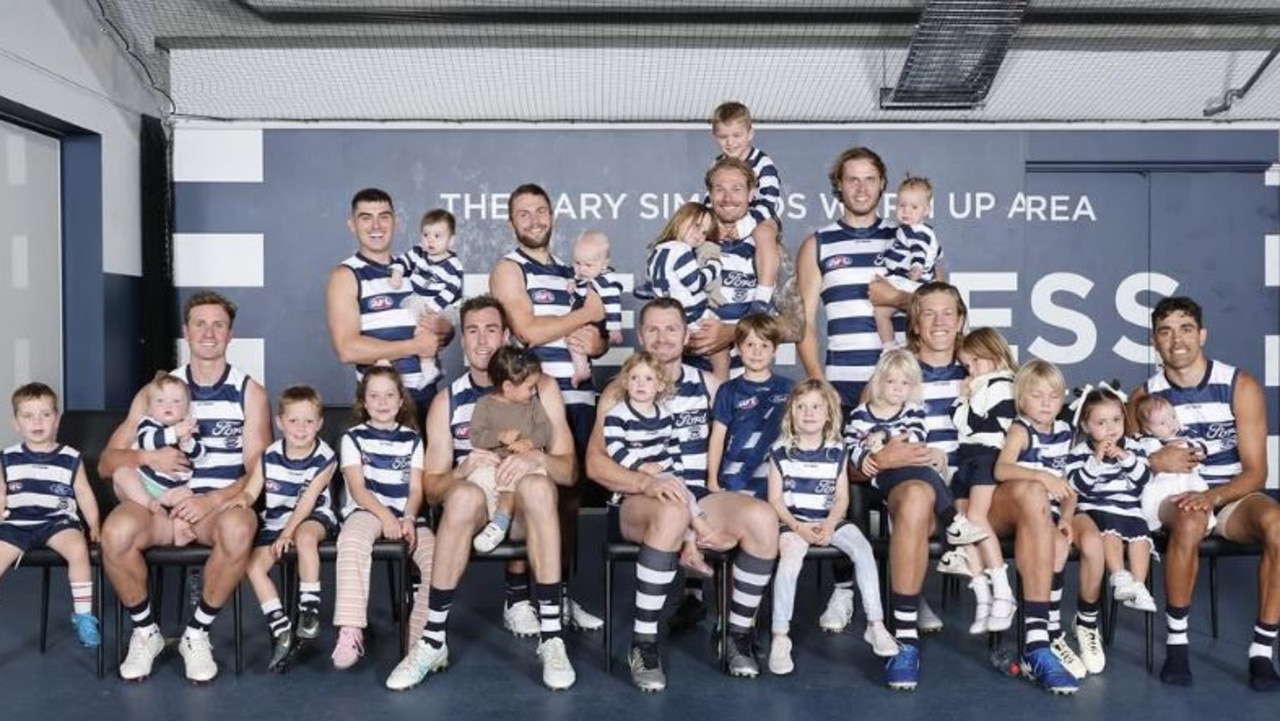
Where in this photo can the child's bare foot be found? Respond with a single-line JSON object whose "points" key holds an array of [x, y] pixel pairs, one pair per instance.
{"points": [[693, 563]]}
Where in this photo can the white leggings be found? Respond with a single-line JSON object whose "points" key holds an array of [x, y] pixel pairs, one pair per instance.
{"points": [[791, 551]]}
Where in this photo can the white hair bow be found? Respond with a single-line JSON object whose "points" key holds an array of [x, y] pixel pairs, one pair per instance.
{"points": [[1081, 393]]}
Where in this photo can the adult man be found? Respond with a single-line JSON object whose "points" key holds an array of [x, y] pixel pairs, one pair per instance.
{"points": [[1223, 407], [654, 512], [368, 322], [235, 427], [936, 318], [750, 265], [533, 287], [534, 477]]}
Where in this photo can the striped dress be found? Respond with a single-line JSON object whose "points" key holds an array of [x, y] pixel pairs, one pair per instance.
{"points": [[286, 479], [40, 485], [847, 260], [809, 478], [1205, 413], [550, 289], [386, 457], [219, 411], [383, 315], [674, 273], [1110, 492]]}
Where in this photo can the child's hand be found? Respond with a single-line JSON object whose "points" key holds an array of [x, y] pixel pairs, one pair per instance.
{"points": [[186, 428], [174, 496], [1064, 527], [823, 532], [155, 506], [282, 544], [94, 533], [869, 467], [808, 533], [409, 533], [508, 436], [391, 529], [1057, 488], [916, 272], [650, 469], [397, 277]]}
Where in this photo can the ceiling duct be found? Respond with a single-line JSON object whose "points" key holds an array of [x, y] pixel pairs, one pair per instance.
{"points": [[956, 50]]}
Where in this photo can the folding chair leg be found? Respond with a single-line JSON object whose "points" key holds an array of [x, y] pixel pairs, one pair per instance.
{"points": [[119, 632], [100, 591], [1149, 631], [1213, 595], [1111, 610], [396, 605], [403, 598], [44, 608], [608, 614], [238, 622]]}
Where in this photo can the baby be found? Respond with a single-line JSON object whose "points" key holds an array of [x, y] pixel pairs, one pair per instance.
{"points": [[913, 256], [591, 270], [168, 423], [1160, 427], [434, 271]]}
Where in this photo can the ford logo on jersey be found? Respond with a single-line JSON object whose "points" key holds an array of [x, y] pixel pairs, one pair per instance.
{"points": [[542, 296], [685, 420], [380, 302], [748, 403], [837, 261]]}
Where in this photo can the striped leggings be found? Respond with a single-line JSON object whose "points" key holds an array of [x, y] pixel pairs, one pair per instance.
{"points": [[355, 560]]}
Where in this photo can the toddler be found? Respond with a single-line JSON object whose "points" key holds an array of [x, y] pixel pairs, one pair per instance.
{"points": [[168, 423], [1160, 427], [435, 273], [914, 255], [592, 272]]}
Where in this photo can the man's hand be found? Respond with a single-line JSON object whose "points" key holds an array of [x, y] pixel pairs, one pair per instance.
{"points": [[710, 337], [168, 460], [1202, 501], [667, 489], [900, 453], [193, 509], [1175, 459]]}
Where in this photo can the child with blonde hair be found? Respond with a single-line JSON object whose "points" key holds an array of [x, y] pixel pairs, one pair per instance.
{"points": [[1035, 449], [1160, 427], [639, 434], [983, 413], [808, 487]]}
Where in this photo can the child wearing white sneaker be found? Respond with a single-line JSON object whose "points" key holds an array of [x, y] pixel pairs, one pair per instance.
{"points": [[42, 486], [509, 420], [640, 435], [983, 413], [809, 488], [1108, 472], [893, 408]]}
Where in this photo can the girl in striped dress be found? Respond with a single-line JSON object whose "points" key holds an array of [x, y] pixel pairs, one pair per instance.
{"points": [[1109, 472], [382, 467], [809, 488]]}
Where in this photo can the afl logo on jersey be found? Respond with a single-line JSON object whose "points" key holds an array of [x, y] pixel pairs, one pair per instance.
{"points": [[462, 431], [542, 296], [15, 488], [273, 487], [748, 403], [837, 261], [381, 302]]}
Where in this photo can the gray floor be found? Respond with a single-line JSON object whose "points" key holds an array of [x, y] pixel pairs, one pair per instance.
{"points": [[495, 673]]}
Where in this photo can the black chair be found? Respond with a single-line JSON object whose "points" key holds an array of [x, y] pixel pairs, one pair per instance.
{"points": [[46, 559]]}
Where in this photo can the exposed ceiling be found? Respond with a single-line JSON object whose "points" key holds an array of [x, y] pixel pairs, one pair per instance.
{"points": [[660, 61]]}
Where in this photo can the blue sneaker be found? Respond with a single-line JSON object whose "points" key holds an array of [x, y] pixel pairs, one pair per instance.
{"points": [[902, 672], [86, 629], [1045, 669]]}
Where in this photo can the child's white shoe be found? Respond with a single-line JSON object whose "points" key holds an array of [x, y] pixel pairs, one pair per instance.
{"points": [[1142, 599], [780, 663], [488, 538], [982, 611], [882, 643], [1122, 586]]}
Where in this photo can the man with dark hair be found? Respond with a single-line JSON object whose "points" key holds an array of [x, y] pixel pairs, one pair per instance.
{"points": [[1224, 408], [235, 427], [368, 320], [534, 476], [535, 288]]}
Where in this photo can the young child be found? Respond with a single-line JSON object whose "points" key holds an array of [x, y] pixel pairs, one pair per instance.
{"points": [[42, 484], [983, 413], [639, 434], [1160, 426], [684, 263], [508, 421], [1108, 472], [893, 408], [913, 257], [1035, 449], [382, 466], [434, 271], [809, 488], [168, 423], [733, 133], [592, 272], [747, 412], [295, 472]]}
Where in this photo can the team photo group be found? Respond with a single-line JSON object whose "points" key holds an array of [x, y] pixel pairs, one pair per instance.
{"points": [[703, 450]]}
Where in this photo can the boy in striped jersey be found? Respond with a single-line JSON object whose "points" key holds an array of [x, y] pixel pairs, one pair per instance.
{"points": [[731, 128], [168, 423], [297, 513], [435, 273], [913, 256], [1224, 406], [42, 484]]}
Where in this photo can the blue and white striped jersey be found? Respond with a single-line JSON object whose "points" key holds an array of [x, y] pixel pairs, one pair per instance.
{"points": [[286, 479], [809, 478], [1205, 413], [550, 290], [40, 485], [386, 457], [384, 316], [751, 412], [219, 411], [674, 273]]}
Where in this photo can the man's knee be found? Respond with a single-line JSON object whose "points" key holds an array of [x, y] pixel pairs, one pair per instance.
{"points": [[536, 494], [236, 530], [1186, 530], [464, 502], [912, 504], [119, 533]]}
